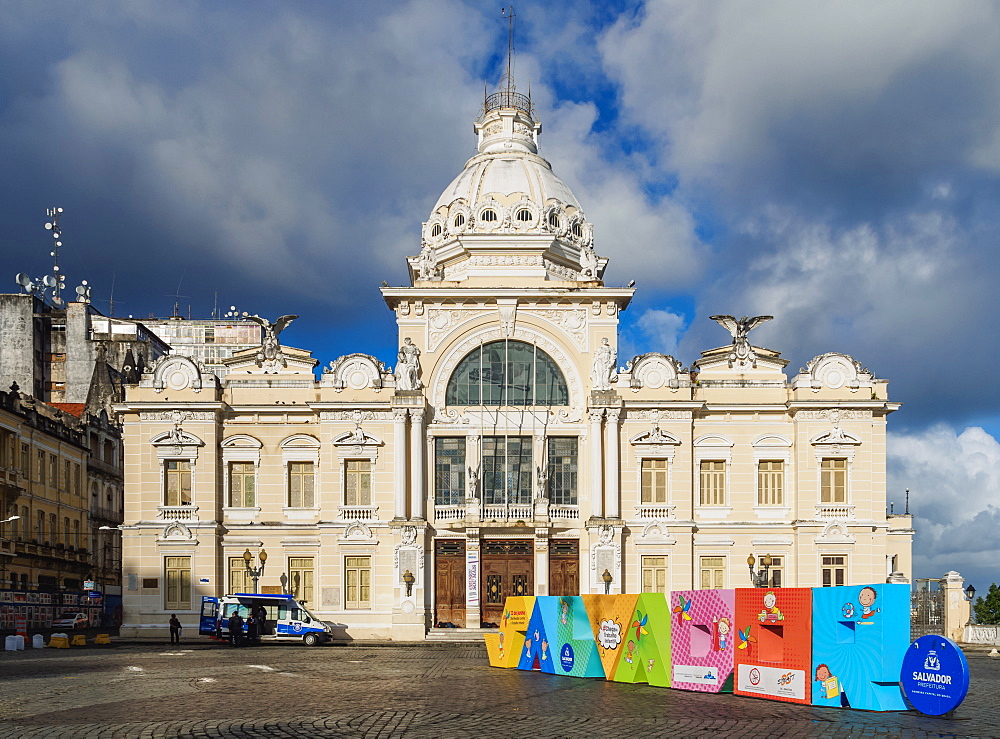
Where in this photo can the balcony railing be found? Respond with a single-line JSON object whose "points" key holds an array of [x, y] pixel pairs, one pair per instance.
{"points": [[827, 511], [449, 512], [358, 512], [508, 512], [564, 512], [654, 511], [177, 513]]}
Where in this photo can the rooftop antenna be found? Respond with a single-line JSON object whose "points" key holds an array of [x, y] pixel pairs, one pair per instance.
{"points": [[176, 313], [508, 13], [59, 281]]}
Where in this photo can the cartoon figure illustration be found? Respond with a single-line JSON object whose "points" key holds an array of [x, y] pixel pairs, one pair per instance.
{"points": [[527, 647], [683, 608], [723, 626], [771, 611], [745, 638], [506, 618], [649, 665], [631, 651], [866, 598], [828, 680], [640, 625], [545, 649], [563, 611], [501, 644], [848, 610]]}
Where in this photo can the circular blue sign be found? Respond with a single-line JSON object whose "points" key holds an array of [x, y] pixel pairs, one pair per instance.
{"points": [[566, 657], [935, 675]]}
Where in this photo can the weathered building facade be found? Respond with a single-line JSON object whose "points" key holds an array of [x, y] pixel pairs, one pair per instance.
{"points": [[508, 452]]}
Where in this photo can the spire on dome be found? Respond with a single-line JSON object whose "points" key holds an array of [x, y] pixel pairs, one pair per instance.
{"points": [[507, 96]]}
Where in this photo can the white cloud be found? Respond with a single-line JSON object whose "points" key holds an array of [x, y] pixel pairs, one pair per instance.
{"points": [[662, 328], [954, 482]]}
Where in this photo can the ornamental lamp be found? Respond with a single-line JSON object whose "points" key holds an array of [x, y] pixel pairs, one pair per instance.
{"points": [[607, 581], [409, 579]]}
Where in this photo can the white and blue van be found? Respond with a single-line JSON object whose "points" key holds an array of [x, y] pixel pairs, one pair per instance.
{"points": [[287, 620]]}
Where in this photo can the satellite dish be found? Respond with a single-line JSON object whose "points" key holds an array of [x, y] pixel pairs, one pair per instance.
{"points": [[22, 279], [81, 290], [48, 226], [58, 302], [49, 281]]}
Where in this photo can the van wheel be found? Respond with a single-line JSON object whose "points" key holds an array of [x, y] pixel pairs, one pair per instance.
{"points": [[310, 640]]}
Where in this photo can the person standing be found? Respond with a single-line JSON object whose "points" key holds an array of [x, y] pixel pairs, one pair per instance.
{"points": [[175, 629], [236, 629], [261, 621], [251, 628]]}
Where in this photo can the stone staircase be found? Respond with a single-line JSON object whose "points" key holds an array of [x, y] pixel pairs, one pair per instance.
{"points": [[459, 635]]}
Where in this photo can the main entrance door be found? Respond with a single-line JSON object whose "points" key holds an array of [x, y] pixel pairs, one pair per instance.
{"points": [[564, 567], [508, 567], [449, 582]]}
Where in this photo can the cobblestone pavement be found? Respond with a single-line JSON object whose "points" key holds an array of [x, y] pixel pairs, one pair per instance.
{"points": [[202, 690]]}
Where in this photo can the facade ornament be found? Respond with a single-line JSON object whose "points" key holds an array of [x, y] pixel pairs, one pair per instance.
{"points": [[408, 535], [606, 535], [605, 359], [408, 366], [427, 268], [542, 480], [473, 483], [270, 354], [588, 263], [742, 354]]}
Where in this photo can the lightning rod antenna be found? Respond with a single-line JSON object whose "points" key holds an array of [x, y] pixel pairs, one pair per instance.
{"points": [[508, 13]]}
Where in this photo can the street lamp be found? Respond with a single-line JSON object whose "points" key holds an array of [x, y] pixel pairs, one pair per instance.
{"points": [[409, 579], [254, 572], [759, 578], [970, 592], [607, 581]]}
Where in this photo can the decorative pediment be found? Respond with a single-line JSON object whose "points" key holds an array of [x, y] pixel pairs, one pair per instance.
{"points": [[835, 532], [357, 437], [241, 441], [176, 437], [300, 441], [355, 372], [176, 531], [835, 436], [713, 440], [654, 371], [175, 372], [834, 370], [772, 440], [358, 531], [655, 532], [655, 436]]}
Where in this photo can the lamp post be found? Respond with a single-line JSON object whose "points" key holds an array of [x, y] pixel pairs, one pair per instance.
{"points": [[759, 578], [254, 572], [409, 579], [607, 581]]}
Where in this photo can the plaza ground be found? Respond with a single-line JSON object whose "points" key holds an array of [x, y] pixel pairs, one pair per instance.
{"points": [[202, 689]]}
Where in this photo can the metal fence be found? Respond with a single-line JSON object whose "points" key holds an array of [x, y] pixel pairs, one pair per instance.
{"points": [[926, 608]]}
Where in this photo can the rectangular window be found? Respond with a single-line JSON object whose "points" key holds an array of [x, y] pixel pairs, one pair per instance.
{"points": [[834, 571], [507, 470], [654, 480], [301, 483], [239, 579], [358, 482], [300, 578], [177, 482], [53, 471], [713, 482], [177, 571], [40, 467], [67, 476], [41, 527], [449, 470], [75, 541], [770, 483], [76, 479], [775, 573], [358, 578], [654, 574], [833, 488], [242, 487], [713, 573], [25, 461], [563, 470]]}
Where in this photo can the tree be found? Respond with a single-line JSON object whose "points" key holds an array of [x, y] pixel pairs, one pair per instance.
{"points": [[988, 609]]}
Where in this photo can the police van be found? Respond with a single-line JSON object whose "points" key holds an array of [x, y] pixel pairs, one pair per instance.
{"points": [[285, 619]]}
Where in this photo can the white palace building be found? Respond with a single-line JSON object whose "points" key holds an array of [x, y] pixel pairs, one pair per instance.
{"points": [[507, 453]]}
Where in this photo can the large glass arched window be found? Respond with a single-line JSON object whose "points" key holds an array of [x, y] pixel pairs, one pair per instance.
{"points": [[507, 373]]}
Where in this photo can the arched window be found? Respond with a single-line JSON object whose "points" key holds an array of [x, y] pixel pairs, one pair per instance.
{"points": [[459, 220], [436, 231], [488, 216], [507, 373], [524, 215]]}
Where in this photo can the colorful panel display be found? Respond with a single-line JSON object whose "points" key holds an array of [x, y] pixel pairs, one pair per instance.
{"points": [[702, 641], [559, 639], [860, 636], [774, 643], [504, 649], [645, 656], [609, 619]]}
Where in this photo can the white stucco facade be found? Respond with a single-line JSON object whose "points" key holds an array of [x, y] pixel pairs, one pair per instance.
{"points": [[506, 453]]}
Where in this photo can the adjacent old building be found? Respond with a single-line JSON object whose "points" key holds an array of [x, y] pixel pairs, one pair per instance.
{"points": [[507, 452]]}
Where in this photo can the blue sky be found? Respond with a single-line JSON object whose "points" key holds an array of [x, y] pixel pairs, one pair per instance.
{"points": [[836, 165]]}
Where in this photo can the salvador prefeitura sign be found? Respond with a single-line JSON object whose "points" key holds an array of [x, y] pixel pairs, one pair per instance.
{"points": [[935, 675]]}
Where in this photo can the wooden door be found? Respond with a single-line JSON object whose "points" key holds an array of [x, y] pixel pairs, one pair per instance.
{"points": [[449, 582], [564, 567], [507, 570]]}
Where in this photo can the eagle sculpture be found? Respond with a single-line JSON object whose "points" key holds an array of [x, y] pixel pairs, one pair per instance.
{"points": [[742, 352], [270, 349]]}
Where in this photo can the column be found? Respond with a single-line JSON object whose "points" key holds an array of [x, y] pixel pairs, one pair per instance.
{"points": [[417, 492], [611, 472], [399, 462], [596, 487]]}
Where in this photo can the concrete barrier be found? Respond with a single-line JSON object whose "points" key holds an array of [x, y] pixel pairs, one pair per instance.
{"points": [[59, 641], [79, 640], [38, 641], [103, 639]]}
